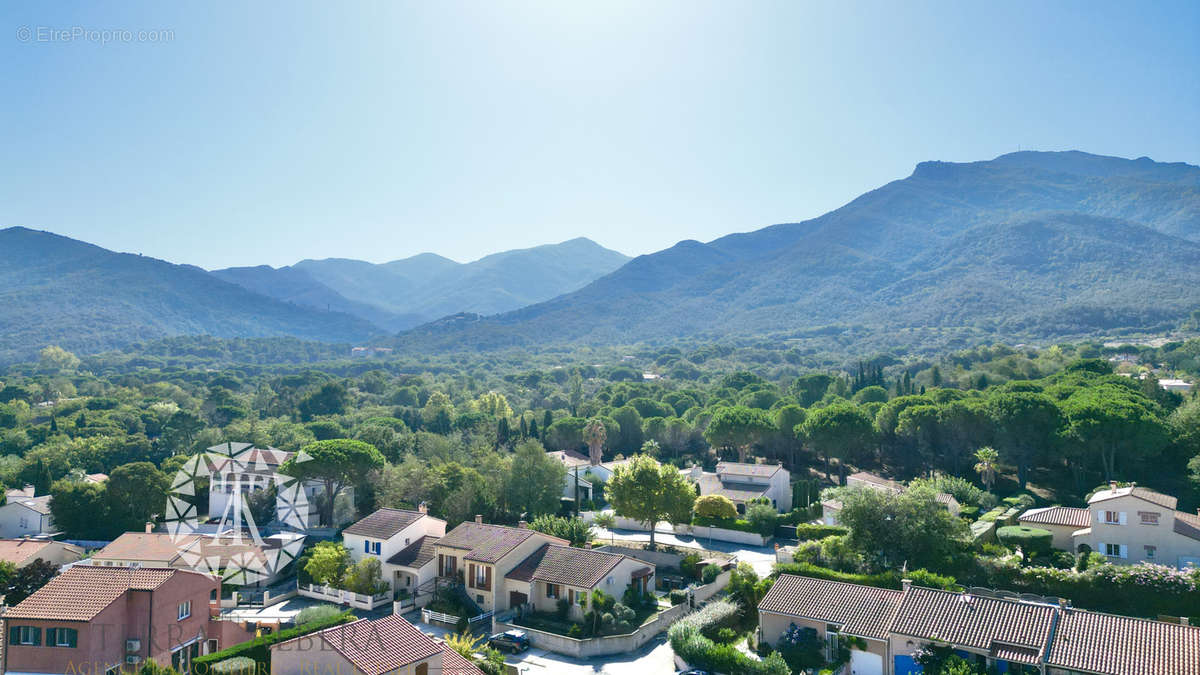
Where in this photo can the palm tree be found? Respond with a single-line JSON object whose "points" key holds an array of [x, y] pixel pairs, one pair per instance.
{"points": [[986, 466], [608, 521], [594, 435]]}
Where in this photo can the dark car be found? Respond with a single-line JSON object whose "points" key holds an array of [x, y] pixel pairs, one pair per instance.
{"points": [[514, 641]]}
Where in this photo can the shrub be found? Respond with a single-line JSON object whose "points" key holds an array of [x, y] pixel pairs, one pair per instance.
{"points": [[575, 530], [710, 573], [238, 665], [961, 489], [718, 507], [882, 580], [259, 649], [317, 613], [923, 577], [678, 596], [970, 512], [726, 636], [807, 532], [562, 608], [1032, 540], [762, 518], [688, 640]]}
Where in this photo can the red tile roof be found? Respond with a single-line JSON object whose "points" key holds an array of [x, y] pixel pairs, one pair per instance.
{"points": [[1058, 515], [864, 611], [379, 646], [1166, 501], [146, 546], [454, 664], [83, 591], [1122, 645], [416, 554], [1187, 524], [384, 523], [974, 621], [582, 568], [17, 551], [489, 543]]}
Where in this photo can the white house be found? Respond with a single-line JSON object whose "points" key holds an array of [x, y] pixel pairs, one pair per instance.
{"points": [[244, 469], [403, 541], [26, 516], [1127, 525], [742, 483]]}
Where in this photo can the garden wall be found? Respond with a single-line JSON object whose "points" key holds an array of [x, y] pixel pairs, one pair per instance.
{"points": [[601, 646], [722, 534], [658, 558]]}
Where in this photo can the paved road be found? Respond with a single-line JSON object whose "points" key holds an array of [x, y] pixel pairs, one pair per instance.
{"points": [[761, 558]]}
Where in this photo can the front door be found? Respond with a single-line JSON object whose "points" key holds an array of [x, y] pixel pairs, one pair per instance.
{"points": [[516, 599]]}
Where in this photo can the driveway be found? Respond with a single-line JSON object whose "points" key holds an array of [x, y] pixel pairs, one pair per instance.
{"points": [[761, 558]]}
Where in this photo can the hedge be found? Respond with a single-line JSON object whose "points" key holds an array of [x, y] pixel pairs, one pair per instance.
{"points": [[889, 579], [259, 649], [687, 638], [808, 532], [1032, 540], [1137, 590], [740, 524]]}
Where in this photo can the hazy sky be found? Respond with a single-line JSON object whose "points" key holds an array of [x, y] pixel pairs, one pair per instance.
{"points": [[258, 133]]}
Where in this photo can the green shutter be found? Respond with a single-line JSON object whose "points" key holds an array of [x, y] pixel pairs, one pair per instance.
{"points": [[72, 637], [14, 635], [51, 634], [37, 637]]}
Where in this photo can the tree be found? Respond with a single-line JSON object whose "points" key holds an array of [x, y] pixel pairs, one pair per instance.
{"points": [[364, 577], [910, 527], [438, 414], [330, 399], [136, 492], [56, 359], [608, 521], [535, 481], [575, 395], [80, 509], [1112, 422], [648, 492], [985, 466], [575, 530], [41, 478], [1026, 424], [715, 506], [262, 504], [840, 430], [327, 563], [738, 427], [28, 579], [629, 436], [336, 463], [594, 435]]}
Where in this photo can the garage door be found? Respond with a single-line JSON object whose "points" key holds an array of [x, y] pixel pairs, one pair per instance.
{"points": [[865, 663]]}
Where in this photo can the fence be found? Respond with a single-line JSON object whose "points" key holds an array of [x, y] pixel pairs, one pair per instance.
{"points": [[342, 596], [598, 646], [430, 616]]}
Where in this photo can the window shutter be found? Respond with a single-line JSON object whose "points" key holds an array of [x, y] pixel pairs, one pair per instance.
{"points": [[1101, 548], [441, 564], [37, 636], [51, 635], [1122, 520], [488, 579], [1124, 548], [366, 546], [72, 636], [14, 635]]}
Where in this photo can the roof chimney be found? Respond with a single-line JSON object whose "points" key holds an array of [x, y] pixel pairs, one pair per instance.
{"points": [[422, 508], [478, 519], [905, 584], [523, 525], [149, 528]]}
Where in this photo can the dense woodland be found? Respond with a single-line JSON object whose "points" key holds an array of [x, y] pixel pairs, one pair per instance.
{"points": [[466, 434]]}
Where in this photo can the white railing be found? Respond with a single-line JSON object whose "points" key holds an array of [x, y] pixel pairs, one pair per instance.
{"points": [[429, 616], [344, 597]]}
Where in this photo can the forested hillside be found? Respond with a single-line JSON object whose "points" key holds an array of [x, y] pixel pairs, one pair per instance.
{"points": [[55, 290], [1030, 246]]}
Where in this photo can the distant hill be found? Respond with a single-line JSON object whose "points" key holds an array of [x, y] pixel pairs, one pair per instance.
{"points": [[56, 290], [1031, 245], [404, 293]]}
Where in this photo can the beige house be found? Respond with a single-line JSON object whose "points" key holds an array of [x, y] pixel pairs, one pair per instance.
{"points": [[404, 542], [556, 572], [1127, 525], [741, 483], [390, 646], [480, 556], [21, 552], [1010, 634]]}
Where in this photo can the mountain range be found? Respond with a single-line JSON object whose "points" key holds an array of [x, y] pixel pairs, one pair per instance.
{"points": [[1028, 246], [57, 290]]}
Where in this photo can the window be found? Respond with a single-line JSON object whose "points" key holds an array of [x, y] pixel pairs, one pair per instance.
{"points": [[1114, 550], [62, 637], [185, 610], [551, 590], [609, 582], [212, 595], [478, 599], [1112, 518], [25, 635], [1151, 551], [24, 522], [212, 647], [1148, 517], [406, 541]]}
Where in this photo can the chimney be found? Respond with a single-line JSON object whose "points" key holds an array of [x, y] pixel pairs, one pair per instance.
{"points": [[478, 519], [523, 525], [422, 508], [905, 584], [149, 528]]}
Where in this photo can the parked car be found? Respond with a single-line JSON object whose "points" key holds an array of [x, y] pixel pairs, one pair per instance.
{"points": [[514, 641]]}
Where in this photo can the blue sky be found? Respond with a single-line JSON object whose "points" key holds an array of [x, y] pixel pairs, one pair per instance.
{"points": [[269, 133]]}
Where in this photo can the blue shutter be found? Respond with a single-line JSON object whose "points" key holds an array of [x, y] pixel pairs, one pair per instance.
{"points": [[366, 546]]}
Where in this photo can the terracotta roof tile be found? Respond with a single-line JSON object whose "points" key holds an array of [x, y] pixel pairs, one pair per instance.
{"points": [[864, 611], [454, 664], [742, 469], [1187, 524], [380, 646], [1166, 501], [489, 543], [80, 593], [1122, 645], [1058, 515], [416, 554], [973, 621], [17, 551], [577, 567], [711, 484], [145, 546], [384, 523]]}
